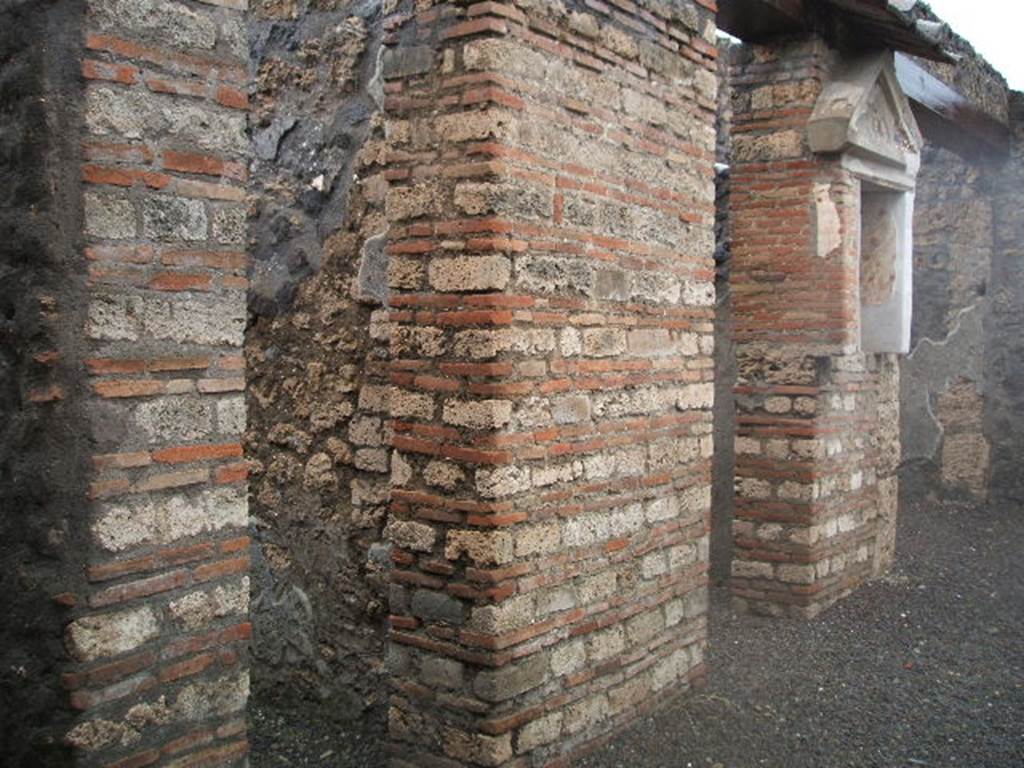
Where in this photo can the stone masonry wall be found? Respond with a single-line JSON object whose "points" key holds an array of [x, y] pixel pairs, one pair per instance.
{"points": [[817, 442], [552, 300], [945, 445], [158, 634], [316, 349], [946, 384], [1005, 353]]}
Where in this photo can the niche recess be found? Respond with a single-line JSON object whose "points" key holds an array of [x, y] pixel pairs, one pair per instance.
{"points": [[863, 116], [886, 268]]}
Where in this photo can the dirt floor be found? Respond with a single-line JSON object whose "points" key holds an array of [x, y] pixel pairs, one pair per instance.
{"points": [[924, 667]]}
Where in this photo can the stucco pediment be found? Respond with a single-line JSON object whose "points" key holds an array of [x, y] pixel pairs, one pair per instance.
{"points": [[863, 111]]}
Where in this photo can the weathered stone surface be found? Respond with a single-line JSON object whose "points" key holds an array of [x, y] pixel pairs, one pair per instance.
{"points": [[436, 606], [514, 613], [184, 318], [443, 474], [442, 673], [201, 608], [478, 414], [501, 482], [229, 225], [470, 273], [103, 635], [511, 680], [231, 415], [213, 698], [134, 114], [174, 218], [477, 749], [158, 521], [109, 217], [406, 61], [168, 23], [411, 535], [372, 280], [93, 735], [183, 417], [585, 714], [412, 202], [539, 732], [484, 547]]}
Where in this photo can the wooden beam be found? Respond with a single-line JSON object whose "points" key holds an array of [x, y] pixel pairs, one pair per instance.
{"points": [[755, 20], [946, 117]]}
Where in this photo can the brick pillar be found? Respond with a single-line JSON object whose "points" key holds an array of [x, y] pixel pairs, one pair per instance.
{"points": [[552, 300], [157, 635], [817, 418]]}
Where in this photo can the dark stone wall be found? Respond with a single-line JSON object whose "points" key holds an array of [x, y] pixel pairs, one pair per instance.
{"points": [[315, 351], [1004, 360], [945, 449], [959, 410], [42, 451]]}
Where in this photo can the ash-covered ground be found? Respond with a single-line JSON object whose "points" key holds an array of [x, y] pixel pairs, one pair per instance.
{"points": [[923, 667]]}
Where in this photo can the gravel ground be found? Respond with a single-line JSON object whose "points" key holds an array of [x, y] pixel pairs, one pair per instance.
{"points": [[924, 667]]}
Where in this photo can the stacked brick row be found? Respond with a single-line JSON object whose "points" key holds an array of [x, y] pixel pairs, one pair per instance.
{"points": [[817, 420], [158, 637], [551, 275]]}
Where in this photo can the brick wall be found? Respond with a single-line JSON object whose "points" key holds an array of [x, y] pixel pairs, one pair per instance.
{"points": [[158, 635], [551, 209], [817, 421]]}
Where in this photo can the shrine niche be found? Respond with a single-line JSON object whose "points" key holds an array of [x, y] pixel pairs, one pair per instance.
{"points": [[863, 116]]}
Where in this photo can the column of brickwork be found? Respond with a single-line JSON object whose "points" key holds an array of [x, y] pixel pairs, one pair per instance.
{"points": [[817, 420], [158, 637], [552, 297]]}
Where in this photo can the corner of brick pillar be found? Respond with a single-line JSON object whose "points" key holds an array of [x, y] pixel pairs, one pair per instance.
{"points": [[817, 440], [552, 300], [157, 627]]}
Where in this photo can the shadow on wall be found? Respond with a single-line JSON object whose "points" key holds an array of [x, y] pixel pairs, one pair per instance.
{"points": [[723, 468], [42, 456]]}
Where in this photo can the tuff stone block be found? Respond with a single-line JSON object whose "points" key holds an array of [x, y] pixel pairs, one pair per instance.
{"points": [[512, 680], [104, 635], [109, 218]]}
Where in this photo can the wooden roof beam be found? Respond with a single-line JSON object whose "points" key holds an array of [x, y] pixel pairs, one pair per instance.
{"points": [[754, 20], [948, 118]]}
